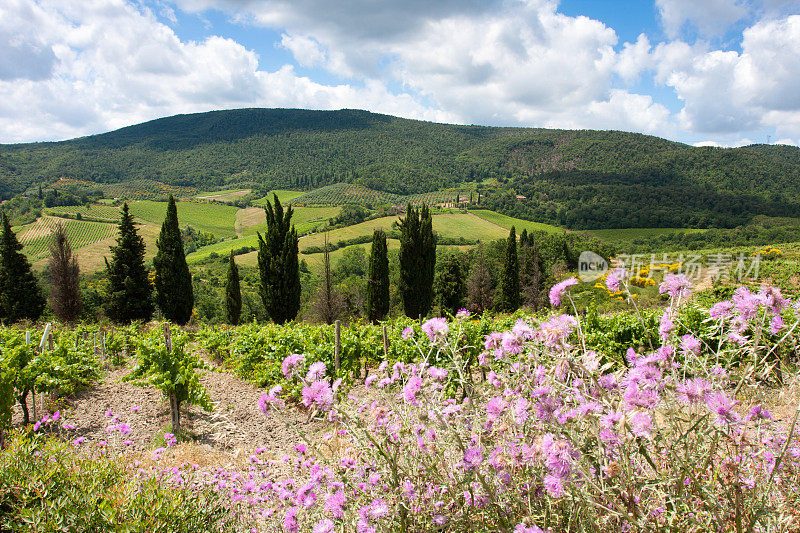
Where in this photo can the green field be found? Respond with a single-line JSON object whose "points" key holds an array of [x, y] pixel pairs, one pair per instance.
{"points": [[221, 248], [519, 224], [305, 219], [36, 237], [631, 234], [348, 193], [283, 196], [211, 218]]}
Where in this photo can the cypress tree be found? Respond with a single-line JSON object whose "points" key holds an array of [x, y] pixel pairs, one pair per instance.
{"points": [[378, 282], [450, 286], [174, 294], [417, 261], [65, 292], [20, 294], [233, 293], [532, 275], [509, 281], [277, 264], [523, 239], [129, 290]]}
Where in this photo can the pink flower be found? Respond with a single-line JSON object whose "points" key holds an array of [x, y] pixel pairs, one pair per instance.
{"points": [[558, 290], [316, 371], [136, 408], [290, 364], [370, 380], [324, 526], [319, 394], [721, 309], [776, 324], [721, 405], [675, 285], [641, 424], [334, 504], [614, 278], [690, 343], [554, 485], [270, 398], [495, 408], [693, 390], [522, 528], [411, 390], [462, 313], [290, 524], [666, 325], [436, 328], [437, 373], [79, 441], [407, 333]]}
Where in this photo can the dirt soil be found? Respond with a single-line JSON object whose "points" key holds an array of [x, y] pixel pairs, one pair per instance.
{"points": [[235, 425]]}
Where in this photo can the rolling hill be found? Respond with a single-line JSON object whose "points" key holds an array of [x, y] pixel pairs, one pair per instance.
{"points": [[578, 179]]}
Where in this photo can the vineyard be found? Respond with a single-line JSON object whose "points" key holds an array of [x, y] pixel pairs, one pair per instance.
{"points": [[95, 212], [505, 418], [138, 189], [347, 193], [36, 237]]}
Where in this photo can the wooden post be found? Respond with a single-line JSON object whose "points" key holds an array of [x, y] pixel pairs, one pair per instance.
{"points": [[337, 346], [174, 406], [385, 344], [33, 392], [102, 345], [42, 343]]}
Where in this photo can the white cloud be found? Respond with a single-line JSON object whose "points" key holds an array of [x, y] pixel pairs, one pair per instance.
{"points": [[728, 91], [114, 64], [709, 17]]}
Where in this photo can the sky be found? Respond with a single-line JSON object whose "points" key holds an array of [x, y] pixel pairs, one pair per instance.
{"points": [[703, 72]]}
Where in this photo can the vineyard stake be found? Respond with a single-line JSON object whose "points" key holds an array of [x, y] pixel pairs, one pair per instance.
{"points": [[337, 346], [385, 344], [173, 399]]}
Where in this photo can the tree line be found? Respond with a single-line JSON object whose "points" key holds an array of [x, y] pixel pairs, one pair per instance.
{"points": [[416, 280]]}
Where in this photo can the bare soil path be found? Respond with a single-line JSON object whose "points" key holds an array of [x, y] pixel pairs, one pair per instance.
{"points": [[235, 424]]}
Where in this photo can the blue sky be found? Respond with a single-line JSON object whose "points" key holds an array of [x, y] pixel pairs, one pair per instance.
{"points": [[718, 72]]}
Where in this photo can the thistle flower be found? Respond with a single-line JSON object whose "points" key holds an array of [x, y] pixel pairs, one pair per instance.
{"points": [[675, 285], [721, 405], [693, 391], [436, 329], [557, 290], [495, 408], [324, 526], [613, 280], [290, 364], [407, 333], [522, 528], [666, 325], [319, 394], [690, 343], [462, 314], [721, 309], [411, 390], [316, 371]]}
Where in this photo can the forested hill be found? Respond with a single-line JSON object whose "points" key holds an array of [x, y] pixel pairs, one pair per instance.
{"points": [[573, 175]]}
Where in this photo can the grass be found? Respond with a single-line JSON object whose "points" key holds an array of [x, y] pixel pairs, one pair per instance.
{"points": [[211, 218], [221, 248], [305, 218], [519, 224], [283, 196], [631, 234]]}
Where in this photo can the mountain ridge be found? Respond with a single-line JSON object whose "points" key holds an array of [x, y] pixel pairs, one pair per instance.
{"points": [[306, 149]]}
